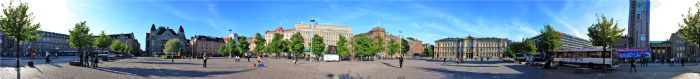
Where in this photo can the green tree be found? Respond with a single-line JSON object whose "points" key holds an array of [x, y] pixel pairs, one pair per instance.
{"points": [[513, 48], [172, 46], [287, 47], [428, 50], [603, 33], [259, 43], [404, 47], [529, 47], [17, 24], [690, 29], [275, 46], [365, 47], [550, 40], [80, 38], [126, 49], [223, 49], [317, 46], [394, 48], [116, 46], [242, 45], [231, 46], [377, 45], [102, 41], [297, 42], [342, 47]]}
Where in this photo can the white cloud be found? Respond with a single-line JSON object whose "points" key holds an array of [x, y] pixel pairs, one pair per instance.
{"points": [[666, 15]]}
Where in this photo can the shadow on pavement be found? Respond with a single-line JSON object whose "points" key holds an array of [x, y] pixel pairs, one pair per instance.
{"points": [[387, 64], [343, 76], [525, 73], [167, 63], [144, 72], [467, 65]]}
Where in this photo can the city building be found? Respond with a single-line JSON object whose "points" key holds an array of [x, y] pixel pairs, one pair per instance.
{"points": [[570, 42], [660, 50], [49, 42], [329, 33], [681, 49], [638, 26], [129, 39], [200, 45], [416, 47], [56, 43], [470, 47], [156, 39], [448, 48], [380, 32]]}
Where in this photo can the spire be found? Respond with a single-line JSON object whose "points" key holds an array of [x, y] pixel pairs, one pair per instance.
{"points": [[153, 27], [181, 30]]}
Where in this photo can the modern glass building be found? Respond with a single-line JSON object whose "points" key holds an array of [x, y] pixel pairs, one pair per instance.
{"points": [[638, 24]]}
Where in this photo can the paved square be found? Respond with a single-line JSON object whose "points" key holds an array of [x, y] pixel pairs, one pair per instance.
{"points": [[224, 68]]}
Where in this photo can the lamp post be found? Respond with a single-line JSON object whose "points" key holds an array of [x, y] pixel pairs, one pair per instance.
{"points": [[227, 45]]}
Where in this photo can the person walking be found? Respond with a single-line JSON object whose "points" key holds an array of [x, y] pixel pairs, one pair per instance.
{"points": [[682, 62], [238, 58], [444, 60], [47, 58], [204, 57], [633, 67], [95, 59], [400, 62]]}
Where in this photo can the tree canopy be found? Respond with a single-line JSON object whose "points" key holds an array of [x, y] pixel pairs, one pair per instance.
{"points": [[604, 32], [690, 29], [172, 46], [80, 37], [342, 47]]}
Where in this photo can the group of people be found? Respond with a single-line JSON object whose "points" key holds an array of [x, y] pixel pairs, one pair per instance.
{"points": [[91, 59], [672, 61]]}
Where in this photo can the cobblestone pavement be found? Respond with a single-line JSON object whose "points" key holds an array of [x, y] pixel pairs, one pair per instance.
{"points": [[224, 68]]}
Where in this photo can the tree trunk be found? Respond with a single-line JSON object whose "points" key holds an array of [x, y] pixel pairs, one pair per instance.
{"points": [[605, 65], [17, 60]]}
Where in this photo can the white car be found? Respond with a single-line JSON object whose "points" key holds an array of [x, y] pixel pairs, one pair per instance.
{"points": [[331, 57]]}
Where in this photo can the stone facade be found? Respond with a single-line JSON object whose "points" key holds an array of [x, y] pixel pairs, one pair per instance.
{"points": [[416, 47], [156, 39], [470, 47], [681, 49], [205, 44]]}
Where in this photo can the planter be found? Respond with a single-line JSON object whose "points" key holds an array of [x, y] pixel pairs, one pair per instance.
{"points": [[74, 63]]}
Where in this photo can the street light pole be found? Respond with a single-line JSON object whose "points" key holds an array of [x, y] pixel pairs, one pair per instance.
{"points": [[227, 45]]}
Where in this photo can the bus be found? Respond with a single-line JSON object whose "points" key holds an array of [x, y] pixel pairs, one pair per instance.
{"points": [[584, 57]]}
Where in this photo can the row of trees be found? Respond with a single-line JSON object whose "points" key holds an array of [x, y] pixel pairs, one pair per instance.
{"points": [[363, 46]]}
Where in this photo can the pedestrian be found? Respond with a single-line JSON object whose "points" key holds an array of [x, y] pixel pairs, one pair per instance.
{"points": [[47, 58], [682, 62], [633, 67], [238, 58], [248, 57], [205, 60], [673, 61], [400, 62], [444, 60], [95, 59]]}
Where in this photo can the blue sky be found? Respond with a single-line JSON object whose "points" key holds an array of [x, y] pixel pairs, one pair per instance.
{"points": [[425, 20]]}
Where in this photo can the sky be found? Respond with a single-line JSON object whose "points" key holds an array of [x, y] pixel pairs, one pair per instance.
{"points": [[426, 20]]}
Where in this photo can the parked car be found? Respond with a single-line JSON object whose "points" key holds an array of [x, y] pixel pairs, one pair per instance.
{"points": [[331, 57]]}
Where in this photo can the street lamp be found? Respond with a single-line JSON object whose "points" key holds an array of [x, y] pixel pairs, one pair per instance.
{"points": [[229, 32]]}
